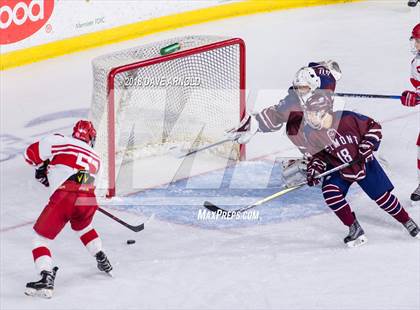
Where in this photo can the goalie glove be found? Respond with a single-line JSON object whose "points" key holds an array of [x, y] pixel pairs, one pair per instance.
{"points": [[245, 130], [41, 174]]}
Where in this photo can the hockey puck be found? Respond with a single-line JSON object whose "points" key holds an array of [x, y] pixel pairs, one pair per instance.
{"points": [[131, 241]]}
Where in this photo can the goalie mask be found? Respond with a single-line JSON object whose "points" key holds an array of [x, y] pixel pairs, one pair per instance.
{"points": [[318, 107], [84, 130], [305, 83]]}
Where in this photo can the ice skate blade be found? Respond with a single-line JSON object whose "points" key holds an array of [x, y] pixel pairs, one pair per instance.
{"points": [[43, 293], [358, 242], [415, 203]]}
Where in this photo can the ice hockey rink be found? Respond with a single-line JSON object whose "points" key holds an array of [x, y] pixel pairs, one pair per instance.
{"points": [[293, 257]]}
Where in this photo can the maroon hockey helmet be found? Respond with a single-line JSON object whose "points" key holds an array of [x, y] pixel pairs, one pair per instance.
{"points": [[321, 100], [84, 130], [415, 33], [317, 107]]}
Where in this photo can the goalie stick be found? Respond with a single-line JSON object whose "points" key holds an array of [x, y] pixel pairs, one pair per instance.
{"points": [[212, 207], [180, 153], [131, 227]]}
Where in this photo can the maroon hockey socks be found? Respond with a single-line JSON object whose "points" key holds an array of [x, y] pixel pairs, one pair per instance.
{"points": [[390, 204], [387, 202], [336, 201]]}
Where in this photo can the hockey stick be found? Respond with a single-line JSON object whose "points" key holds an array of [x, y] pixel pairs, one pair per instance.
{"points": [[131, 227], [367, 96], [178, 152], [212, 207]]}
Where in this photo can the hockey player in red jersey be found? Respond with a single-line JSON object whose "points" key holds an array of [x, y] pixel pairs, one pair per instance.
{"points": [[67, 165], [334, 138], [412, 98]]}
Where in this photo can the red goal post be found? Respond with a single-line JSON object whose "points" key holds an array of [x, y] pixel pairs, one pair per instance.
{"points": [[201, 50]]}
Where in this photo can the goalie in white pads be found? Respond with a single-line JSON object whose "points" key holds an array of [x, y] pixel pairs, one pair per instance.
{"points": [[289, 111], [67, 165]]}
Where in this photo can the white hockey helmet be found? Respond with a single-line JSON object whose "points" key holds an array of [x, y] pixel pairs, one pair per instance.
{"points": [[306, 77]]}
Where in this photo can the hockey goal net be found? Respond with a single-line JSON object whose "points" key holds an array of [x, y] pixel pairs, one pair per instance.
{"points": [[148, 99]]}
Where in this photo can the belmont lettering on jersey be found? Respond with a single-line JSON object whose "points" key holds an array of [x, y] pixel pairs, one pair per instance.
{"points": [[338, 140]]}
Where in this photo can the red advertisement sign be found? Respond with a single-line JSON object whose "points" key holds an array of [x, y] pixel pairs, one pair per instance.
{"points": [[19, 19]]}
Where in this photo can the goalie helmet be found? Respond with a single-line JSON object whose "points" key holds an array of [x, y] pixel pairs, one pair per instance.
{"points": [[317, 107], [305, 82], [84, 130]]}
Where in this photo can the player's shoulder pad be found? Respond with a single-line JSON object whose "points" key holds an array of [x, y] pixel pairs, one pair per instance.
{"points": [[307, 131], [288, 101], [52, 138], [346, 113]]}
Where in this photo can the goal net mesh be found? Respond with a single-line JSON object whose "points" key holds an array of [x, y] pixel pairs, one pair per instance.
{"points": [[164, 101]]}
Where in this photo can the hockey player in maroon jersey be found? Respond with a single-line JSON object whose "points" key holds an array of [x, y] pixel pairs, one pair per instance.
{"points": [[412, 98], [334, 138], [288, 111], [67, 165]]}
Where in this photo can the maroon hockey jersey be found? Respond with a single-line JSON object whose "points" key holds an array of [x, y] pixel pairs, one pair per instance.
{"points": [[340, 143]]}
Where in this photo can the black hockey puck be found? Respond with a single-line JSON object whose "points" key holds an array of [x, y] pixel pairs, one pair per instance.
{"points": [[131, 241]]}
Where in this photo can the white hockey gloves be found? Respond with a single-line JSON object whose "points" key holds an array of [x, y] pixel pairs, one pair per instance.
{"points": [[245, 130]]}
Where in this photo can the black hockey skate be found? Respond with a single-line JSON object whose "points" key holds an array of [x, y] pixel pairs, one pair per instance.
{"points": [[415, 196], [103, 262], [44, 287], [412, 228], [412, 3], [356, 236]]}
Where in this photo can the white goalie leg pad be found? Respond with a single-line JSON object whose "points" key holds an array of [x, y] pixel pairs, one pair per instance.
{"points": [[90, 239], [358, 242]]}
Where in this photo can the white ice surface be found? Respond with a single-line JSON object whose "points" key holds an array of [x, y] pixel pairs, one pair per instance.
{"points": [[298, 263]]}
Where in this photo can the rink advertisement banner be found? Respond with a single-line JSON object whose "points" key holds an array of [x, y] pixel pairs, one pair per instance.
{"points": [[21, 19], [33, 30], [27, 23]]}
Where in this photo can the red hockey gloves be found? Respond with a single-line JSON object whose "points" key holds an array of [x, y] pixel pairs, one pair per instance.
{"points": [[410, 98], [315, 167], [41, 174], [245, 130], [366, 149]]}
